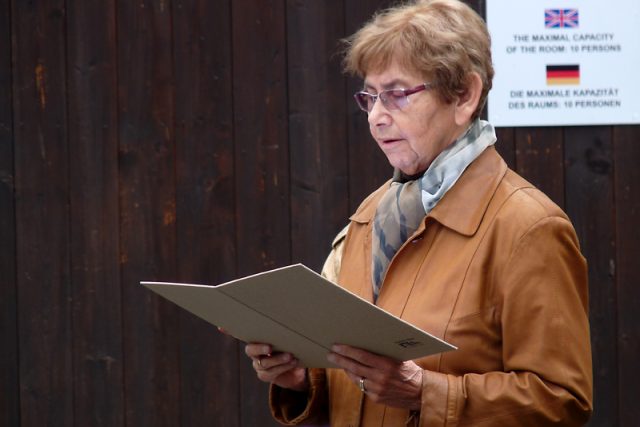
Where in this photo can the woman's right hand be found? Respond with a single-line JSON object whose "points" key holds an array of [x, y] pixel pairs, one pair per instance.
{"points": [[280, 369]]}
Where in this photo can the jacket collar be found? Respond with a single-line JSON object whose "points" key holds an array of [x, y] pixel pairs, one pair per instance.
{"points": [[464, 205]]}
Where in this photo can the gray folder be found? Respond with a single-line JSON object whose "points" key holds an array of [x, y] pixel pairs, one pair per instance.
{"points": [[298, 311]]}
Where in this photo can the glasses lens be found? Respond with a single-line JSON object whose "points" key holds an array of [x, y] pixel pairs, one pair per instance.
{"points": [[365, 101], [393, 99]]}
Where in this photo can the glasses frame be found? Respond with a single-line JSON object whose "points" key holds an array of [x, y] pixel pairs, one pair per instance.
{"points": [[390, 103]]}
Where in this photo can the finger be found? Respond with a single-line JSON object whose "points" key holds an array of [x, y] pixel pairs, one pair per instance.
{"points": [[354, 377], [369, 386], [257, 364], [361, 356], [347, 360], [270, 361], [363, 384], [255, 350], [352, 368], [271, 374]]}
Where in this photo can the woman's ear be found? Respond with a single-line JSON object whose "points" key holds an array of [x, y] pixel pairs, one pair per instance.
{"points": [[468, 102]]}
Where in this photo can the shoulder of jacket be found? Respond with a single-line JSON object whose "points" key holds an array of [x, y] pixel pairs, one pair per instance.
{"points": [[522, 200], [340, 237]]}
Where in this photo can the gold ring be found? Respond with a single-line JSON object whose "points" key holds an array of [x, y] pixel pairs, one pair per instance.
{"points": [[361, 385], [260, 362]]}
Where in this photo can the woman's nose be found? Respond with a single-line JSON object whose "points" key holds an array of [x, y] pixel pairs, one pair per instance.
{"points": [[378, 115]]}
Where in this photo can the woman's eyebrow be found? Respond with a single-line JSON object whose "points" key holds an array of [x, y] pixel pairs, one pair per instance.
{"points": [[389, 85]]}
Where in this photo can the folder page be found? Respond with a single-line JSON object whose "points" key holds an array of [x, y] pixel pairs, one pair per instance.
{"points": [[298, 311]]}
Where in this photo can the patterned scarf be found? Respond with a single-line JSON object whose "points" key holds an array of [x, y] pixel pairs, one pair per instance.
{"points": [[405, 204]]}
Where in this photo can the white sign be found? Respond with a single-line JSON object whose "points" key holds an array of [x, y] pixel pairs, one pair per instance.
{"points": [[564, 62]]}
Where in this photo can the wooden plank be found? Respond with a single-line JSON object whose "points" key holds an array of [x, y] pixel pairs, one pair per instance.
{"points": [[147, 211], [368, 166], [95, 267], [261, 161], [9, 403], [260, 133], [42, 217], [506, 145], [205, 207], [540, 160], [589, 197], [627, 269], [317, 129]]}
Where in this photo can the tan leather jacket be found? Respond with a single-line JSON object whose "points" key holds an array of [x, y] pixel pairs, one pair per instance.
{"points": [[496, 270]]}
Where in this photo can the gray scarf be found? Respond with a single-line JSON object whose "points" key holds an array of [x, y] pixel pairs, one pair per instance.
{"points": [[405, 204]]}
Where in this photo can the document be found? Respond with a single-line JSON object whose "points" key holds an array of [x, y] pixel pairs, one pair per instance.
{"points": [[298, 311]]}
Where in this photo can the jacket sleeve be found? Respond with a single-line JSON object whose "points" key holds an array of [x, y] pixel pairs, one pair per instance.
{"points": [[293, 408], [542, 295]]}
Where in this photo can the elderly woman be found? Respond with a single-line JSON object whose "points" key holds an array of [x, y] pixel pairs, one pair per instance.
{"points": [[455, 243]]}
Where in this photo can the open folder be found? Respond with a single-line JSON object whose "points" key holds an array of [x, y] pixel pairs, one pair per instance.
{"points": [[298, 311]]}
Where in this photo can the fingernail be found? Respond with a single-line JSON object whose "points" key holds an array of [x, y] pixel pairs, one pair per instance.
{"points": [[331, 358], [336, 347]]}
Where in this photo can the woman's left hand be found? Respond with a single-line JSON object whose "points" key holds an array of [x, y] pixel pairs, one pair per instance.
{"points": [[386, 381]]}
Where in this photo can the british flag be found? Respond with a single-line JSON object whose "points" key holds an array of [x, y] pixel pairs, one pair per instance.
{"points": [[561, 18]]}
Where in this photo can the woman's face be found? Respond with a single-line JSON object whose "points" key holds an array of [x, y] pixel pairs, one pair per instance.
{"points": [[411, 137]]}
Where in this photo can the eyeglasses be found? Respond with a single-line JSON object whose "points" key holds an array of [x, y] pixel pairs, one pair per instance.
{"points": [[392, 99]]}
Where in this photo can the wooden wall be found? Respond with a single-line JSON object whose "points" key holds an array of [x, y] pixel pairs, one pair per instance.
{"points": [[201, 140]]}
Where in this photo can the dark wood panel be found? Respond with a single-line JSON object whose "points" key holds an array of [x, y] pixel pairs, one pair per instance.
{"points": [[147, 211], [95, 274], [261, 161], [506, 145], [627, 208], [261, 137], [205, 207], [540, 160], [9, 404], [589, 198], [249, 173], [368, 166], [42, 215], [317, 129], [478, 5]]}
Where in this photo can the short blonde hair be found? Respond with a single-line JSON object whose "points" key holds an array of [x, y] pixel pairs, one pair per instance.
{"points": [[441, 40]]}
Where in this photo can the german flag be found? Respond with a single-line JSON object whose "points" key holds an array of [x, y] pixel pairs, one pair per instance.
{"points": [[563, 74]]}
